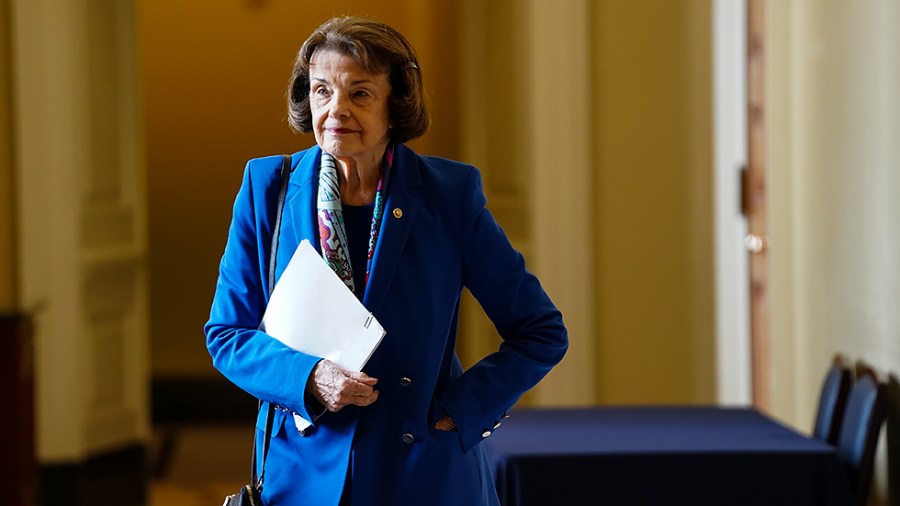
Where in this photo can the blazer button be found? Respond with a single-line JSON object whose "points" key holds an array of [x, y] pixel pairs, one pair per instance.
{"points": [[398, 213], [486, 433], [497, 425], [408, 438], [404, 381]]}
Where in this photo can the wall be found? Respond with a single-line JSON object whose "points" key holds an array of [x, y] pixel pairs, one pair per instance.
{"points": [[214, 78], [494, 86], [834, 175], [643, 331], [653, 202]]}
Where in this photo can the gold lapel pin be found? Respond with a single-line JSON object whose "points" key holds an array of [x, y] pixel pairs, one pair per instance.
{"points": [[398, 213]]}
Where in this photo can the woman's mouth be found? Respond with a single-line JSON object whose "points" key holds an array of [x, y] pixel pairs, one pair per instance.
{"points": [[340, 131]]}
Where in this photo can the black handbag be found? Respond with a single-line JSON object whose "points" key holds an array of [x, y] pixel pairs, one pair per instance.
{"points": [[248, 496], [251, 494]]}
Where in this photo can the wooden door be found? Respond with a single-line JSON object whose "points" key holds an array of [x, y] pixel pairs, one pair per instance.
{"points": [[754, 206]]}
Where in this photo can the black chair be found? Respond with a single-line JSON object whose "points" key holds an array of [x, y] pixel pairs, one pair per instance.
{"points": [[833, 401], [866, 408]]}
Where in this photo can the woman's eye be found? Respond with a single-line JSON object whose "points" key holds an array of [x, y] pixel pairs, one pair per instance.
{"points": [[321, 91], [362, 93]]}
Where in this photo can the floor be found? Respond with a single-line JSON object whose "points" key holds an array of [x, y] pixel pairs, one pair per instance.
{"points": [[199, 465]]}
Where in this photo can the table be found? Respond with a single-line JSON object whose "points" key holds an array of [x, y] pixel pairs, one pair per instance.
{"points": [[661, 455]]}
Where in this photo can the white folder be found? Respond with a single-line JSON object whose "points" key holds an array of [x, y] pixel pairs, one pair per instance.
{"points": [[312, 310]]}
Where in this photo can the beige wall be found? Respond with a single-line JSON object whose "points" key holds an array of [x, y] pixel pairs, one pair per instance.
{"points": [[628, 105], [653, 202], [214, 77], [7, 201], [834, 177]]}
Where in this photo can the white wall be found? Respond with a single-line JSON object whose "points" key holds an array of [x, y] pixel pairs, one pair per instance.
{"points": [[82, 238]]}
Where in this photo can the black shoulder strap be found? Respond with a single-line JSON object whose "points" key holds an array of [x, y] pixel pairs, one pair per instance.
{"points": [[273, 254], [276, 229]]}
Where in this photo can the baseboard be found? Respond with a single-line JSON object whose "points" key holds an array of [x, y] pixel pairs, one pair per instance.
{"points": [[17, 464], [118, 477], [200, 401]]}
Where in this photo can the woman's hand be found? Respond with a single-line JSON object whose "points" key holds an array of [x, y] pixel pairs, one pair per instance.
{"points": [[335, 387], [446, 424]]}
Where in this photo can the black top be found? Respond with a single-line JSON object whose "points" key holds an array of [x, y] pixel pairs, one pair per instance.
{"points": [[358, 225]]}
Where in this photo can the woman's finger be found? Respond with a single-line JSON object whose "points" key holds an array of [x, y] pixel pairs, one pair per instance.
{"points": [[362, 377]]}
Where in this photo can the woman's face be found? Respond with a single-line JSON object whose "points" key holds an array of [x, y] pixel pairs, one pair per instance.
{"points": [[349, 107]]}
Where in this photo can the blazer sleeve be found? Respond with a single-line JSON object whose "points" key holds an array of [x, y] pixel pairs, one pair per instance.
{"points": [[534, 337], [251, 359]]}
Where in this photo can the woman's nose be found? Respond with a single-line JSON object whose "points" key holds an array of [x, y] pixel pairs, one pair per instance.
{"points": [[339, 105]]}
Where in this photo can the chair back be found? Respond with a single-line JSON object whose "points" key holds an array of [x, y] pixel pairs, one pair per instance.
{"points": [[866, 408], [833, 401]]}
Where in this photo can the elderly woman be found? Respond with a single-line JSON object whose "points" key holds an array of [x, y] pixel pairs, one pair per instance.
{"points": [[406, 233]]}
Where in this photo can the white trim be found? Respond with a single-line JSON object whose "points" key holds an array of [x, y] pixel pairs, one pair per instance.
{"points": [[730, 147], [560, 38]]}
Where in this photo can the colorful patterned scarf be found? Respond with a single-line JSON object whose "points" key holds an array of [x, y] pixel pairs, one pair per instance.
{"points": [[332, 234]]}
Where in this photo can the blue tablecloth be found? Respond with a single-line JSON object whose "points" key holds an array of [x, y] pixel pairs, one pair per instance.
{"points": [[661, 455]]}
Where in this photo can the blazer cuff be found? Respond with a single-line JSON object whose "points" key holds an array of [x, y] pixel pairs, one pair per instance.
{"points": [[472, 429], [302, 370]]}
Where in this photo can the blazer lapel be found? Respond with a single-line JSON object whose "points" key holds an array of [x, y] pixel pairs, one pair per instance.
{"points": [[400, 209], [299, 218]]}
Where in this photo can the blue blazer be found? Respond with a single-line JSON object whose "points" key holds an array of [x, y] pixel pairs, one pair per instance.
{"points": [[437, 237]]}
